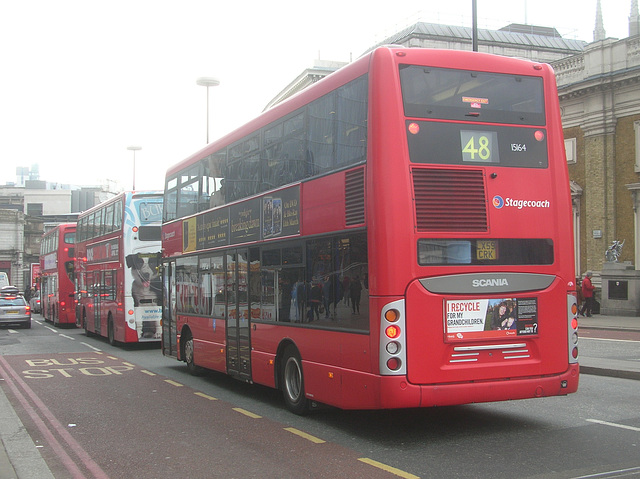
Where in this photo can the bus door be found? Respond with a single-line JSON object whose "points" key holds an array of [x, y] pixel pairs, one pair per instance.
{"points": [[169, 331], [238, 315], [97, 299]]}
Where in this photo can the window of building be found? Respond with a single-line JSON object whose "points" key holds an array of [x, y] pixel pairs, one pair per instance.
{"points": [[570, 148], [34, 209]]}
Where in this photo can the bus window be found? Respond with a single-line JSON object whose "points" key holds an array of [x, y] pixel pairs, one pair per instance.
{"points": [[450, 94], [352, 123], [321, 136]]}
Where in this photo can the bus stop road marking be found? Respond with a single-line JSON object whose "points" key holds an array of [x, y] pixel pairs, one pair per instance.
{"points": [[129, 364], [206, 396], [112, 357], [173, 383], [309, 437], [149, 373], [49, 426], [613, 424], [392, 470], [246, 413]]}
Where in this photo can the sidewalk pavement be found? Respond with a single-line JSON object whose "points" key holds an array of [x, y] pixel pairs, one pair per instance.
{"points": [[19, 458], [626, 364]]}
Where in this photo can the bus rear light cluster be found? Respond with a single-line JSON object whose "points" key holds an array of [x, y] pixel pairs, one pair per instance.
{"points": [[393, 347], [392, 332], [394, 364], [393, 339], [572, 333]]}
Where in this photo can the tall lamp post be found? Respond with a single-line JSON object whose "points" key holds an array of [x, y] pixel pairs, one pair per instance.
{"points": [[134, 149], [208, 81]]}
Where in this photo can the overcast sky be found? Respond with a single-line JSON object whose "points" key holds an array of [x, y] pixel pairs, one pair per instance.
{"points": [[83, 79]]}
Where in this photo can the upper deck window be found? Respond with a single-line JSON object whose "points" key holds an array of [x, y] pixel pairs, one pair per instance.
{"points": [[447, 94], [326, 135]]}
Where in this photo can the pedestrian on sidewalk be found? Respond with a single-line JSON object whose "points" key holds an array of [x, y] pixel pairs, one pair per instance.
{"points": [[587, 294]]}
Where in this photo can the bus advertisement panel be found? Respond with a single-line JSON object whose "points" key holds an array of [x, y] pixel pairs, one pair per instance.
{"points": [[119, 289], [35, 275], [396, 235]]}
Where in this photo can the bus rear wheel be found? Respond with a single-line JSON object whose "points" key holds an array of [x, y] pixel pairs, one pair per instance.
{"points": [[84, 324], [292, 382], [111, 334], [188, 356]]}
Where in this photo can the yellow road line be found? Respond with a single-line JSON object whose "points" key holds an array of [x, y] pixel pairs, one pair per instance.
{"points": [[173, 383], [246, 413], [390, 469], [309, 437], [129, 364], [147, 372], [112, 357], [203, 395]]}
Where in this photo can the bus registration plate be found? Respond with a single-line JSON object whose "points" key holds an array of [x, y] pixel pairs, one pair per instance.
{"points": [[487, 250]]}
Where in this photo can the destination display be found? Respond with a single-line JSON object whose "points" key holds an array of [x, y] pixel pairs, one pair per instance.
{"points": [[457, 144]]}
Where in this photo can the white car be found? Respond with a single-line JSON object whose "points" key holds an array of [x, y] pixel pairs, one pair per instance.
{"points": [[14, 309], [34, 302]]}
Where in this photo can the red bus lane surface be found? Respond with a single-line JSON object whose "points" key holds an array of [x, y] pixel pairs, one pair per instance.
{"points": [[95, 415]]}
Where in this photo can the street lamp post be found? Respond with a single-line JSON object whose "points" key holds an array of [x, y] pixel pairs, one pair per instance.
{"points": [[134, 149], [208, 81]]}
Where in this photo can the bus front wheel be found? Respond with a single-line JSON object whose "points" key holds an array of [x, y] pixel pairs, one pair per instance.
{"points": [[293, 382]]}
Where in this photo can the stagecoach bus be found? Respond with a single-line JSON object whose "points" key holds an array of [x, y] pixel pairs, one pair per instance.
{"points": [[396, 235], [57, 278], [118, 258]]}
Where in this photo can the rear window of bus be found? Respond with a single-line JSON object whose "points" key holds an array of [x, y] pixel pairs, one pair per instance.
{"points": [[448, 94]]}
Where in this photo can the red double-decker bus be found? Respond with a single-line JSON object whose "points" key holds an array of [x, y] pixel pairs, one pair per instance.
{"points": [[396, 235], [118, 259], [57, 276]]}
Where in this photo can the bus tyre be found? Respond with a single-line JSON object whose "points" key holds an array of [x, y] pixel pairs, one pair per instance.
{"points": [[292, 382], [188, 356], [111, 334], [84, 323]]}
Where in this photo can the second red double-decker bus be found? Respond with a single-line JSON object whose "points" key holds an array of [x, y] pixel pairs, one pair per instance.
{"points": [[57, 277], [396, 235], [118, 259]]}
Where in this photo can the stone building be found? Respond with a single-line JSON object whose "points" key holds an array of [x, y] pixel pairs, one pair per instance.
{"points": [[599, 92], [26, 212]]}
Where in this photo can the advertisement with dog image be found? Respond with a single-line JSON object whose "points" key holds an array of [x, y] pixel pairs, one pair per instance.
{"points": [[142, 272]]}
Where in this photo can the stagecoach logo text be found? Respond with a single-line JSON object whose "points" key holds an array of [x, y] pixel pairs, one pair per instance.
{"points": [[485, 283], [499, 202]]}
